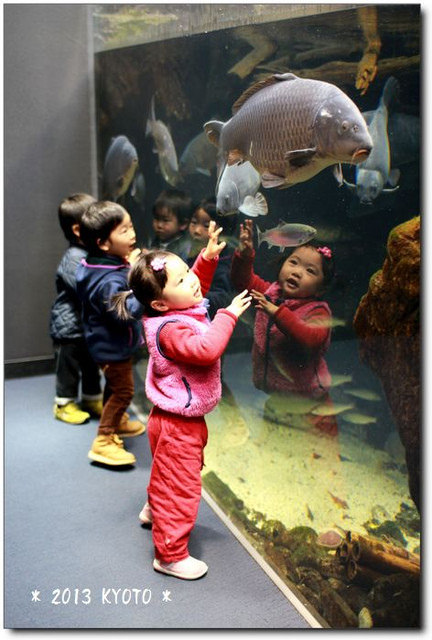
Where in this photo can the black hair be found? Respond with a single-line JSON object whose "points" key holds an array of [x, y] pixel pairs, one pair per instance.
{"points": [[97, 223], [176, 201], [70, 212], [144, 282], [209, 206], [327, 263]]}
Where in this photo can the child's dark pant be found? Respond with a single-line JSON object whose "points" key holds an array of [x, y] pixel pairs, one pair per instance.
{"points": [[118, 394], [74, 363], [174, 490]]}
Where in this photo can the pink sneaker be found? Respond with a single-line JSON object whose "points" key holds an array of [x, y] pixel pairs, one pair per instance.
{"points": [[145, 516], [188, 569]]}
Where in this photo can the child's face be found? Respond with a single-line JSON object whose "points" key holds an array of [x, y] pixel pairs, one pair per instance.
{"points": [[121, 240], [301, 275], [166, 225], [199, 226], [183, 288]]}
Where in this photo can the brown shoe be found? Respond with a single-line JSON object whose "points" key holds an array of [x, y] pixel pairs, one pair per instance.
{"points": [[129, 428]]}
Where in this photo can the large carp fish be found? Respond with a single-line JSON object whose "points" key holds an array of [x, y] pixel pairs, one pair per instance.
{"points": [[290, 129]]}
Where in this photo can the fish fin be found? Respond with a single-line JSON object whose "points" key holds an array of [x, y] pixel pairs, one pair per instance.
{"points": [[390, 190], [394, 176], [390, 91], [270, 180], [350, 185], [235, 156], [151, 117], [254, 206], [261, 84], [204, 172], [259, 235], [300, 157], [213, 130], [338, 174]]}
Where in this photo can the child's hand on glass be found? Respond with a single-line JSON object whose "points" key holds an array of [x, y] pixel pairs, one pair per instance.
{"points": [[214, 247], [262, 303], [246, 237], [240, 303]]}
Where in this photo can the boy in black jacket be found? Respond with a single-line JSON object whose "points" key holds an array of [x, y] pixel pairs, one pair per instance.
{"points": [[72, 359]]}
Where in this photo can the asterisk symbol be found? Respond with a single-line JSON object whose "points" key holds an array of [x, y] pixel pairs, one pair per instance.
{"points": [[35, 596], [166, 596]]}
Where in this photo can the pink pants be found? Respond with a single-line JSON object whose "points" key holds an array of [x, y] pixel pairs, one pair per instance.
{"points": [[174, 490]]}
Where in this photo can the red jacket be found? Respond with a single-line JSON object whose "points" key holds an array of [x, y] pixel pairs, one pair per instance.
{"points": [[288, 351]]}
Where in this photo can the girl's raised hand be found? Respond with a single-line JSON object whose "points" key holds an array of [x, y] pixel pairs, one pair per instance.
{"points": [[214, 247], [240, 303], [246, 237], [261, 302]]}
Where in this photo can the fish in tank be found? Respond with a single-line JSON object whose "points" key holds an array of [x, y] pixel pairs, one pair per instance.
{"points": [[327, 490]]}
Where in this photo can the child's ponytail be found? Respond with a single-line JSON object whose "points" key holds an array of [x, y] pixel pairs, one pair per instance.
{"points": [[118, 305]]}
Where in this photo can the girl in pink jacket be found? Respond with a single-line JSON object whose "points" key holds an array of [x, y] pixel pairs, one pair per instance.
{"points": [[183, 382]]}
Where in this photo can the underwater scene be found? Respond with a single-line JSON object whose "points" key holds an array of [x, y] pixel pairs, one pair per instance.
{"points": [[299, 127]]}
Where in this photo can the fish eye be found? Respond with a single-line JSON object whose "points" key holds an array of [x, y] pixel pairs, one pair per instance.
{"points": [[356, 128], [345, 126]]}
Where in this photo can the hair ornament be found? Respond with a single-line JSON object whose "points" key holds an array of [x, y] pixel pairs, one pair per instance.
{"points": [[325, 251], [157, 264]]}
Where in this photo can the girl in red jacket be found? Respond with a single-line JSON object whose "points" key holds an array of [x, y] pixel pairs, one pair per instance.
{"points": [[292, 325], [183, 382]]}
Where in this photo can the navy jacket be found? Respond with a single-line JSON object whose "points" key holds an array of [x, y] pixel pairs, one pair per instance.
{"points": [[109, 339], [65, 320]]}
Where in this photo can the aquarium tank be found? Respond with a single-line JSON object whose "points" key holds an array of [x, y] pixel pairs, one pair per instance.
{"points": [[323, 488]]}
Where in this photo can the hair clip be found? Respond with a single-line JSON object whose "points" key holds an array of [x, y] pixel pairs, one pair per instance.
{"points": [[157, 264], [325, 251]]}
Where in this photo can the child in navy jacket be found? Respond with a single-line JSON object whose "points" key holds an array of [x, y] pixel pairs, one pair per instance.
{"points": [[108, 234]]}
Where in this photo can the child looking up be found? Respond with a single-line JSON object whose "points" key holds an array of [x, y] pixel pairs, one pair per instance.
{"points": [[221, 290], [108, 234], [292, 325], [183, 382], [172, 211], [72, 358]]}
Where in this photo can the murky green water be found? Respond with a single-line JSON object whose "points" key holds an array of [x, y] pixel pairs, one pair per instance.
{"points": [[282, 481]]}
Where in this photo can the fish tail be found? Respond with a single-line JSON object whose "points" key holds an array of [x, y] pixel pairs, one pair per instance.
{"points": [[390, 91], [259, 235], [151, 116]]}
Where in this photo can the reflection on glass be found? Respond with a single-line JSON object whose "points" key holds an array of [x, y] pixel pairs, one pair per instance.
{"points": [[313, 451]]}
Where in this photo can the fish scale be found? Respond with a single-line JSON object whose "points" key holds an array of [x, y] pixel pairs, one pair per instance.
{"points": [[314, 122]]}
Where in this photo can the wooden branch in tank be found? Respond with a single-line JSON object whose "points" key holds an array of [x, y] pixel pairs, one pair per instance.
{"points": [[262, 48], [343, 73], [368, 65]]}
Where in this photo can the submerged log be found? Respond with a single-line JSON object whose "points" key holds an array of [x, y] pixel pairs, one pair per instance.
{"points": [[263, 47], [383, 557], [344, 73]]}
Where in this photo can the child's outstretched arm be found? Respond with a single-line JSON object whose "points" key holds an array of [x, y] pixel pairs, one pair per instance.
{"points": [[179, 342], [207, 260], [242, 273]]}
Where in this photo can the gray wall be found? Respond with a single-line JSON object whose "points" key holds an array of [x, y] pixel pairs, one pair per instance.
{"points": [[48, 154]]}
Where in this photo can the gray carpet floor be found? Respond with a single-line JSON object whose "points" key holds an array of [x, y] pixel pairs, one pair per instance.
{"points": [[75, 555]]}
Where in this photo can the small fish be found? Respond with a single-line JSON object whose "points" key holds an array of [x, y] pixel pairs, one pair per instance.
{"points": [[286, 235], [236, 190], [310, 515], [344, 458], [290, 129], [364, 394], [338, 379], [372, 176], [316, 456], [164, 147], [199, 156], [120, 165], [340, 503], [358, 418], [331, 409]]}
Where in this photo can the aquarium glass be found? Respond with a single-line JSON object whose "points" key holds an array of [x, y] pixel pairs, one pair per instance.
{"points": [[326, 489]]}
